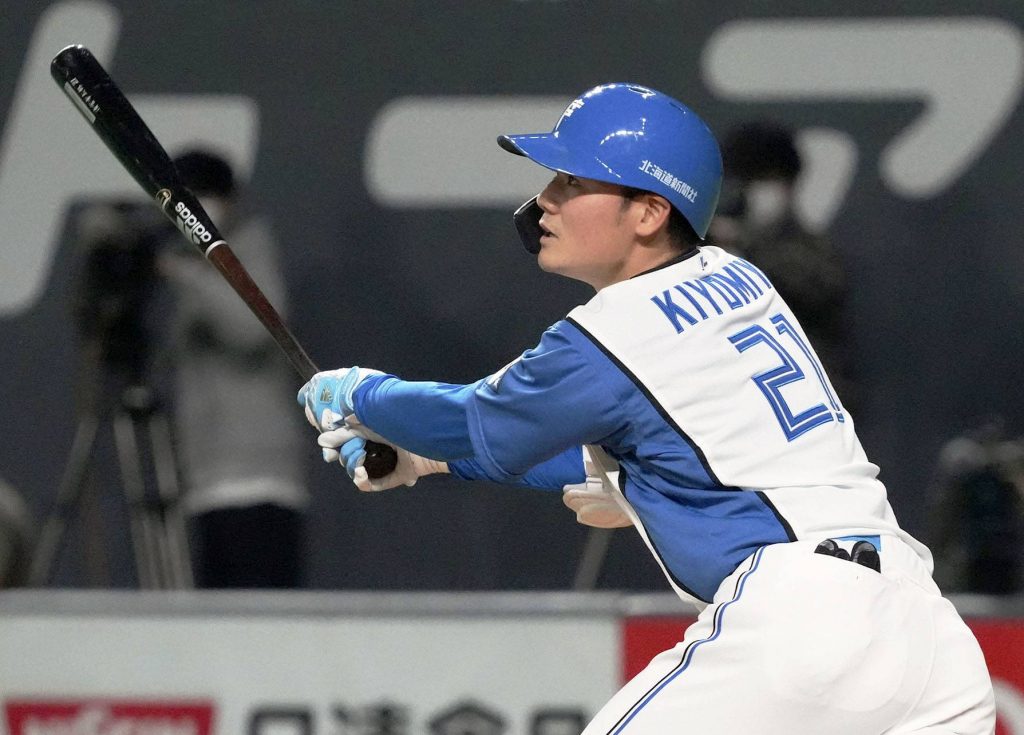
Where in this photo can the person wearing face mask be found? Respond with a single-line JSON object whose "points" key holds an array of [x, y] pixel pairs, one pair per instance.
{"points": [[757, 220], [244, 489]]}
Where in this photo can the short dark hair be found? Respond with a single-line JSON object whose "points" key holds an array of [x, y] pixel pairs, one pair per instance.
{"points": [[205, 173], [761, 149], [679, 229]]}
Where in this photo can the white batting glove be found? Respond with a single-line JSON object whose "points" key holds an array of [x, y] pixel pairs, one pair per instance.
{"points": [[594, 501], [347, 446], [594, 506]]}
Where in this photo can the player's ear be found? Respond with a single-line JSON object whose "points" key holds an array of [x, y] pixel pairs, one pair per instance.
{"points": [[655, 215]]}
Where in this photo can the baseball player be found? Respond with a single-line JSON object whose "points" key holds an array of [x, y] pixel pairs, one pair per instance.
{"points": [[685, 400]]}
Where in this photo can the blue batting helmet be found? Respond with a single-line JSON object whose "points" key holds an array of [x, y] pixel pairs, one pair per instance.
{"points": [[638, 137]]}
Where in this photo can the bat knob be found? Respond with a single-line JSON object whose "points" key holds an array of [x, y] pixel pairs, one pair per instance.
{"points": [[381, 460]]}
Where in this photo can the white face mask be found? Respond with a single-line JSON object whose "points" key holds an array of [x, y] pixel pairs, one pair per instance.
{"points": [[767, 202]]}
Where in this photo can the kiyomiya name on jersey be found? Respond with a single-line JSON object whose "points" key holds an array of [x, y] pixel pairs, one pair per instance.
{"points": [[694, 301]]}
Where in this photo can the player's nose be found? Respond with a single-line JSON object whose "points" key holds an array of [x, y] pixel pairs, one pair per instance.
{"points": [[546, 200]]}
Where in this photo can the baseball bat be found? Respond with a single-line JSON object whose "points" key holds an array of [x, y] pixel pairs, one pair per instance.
{"points": [[119, 126]]}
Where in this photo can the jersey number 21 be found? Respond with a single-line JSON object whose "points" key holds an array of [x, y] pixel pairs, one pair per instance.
{"points": [[793, 422]]}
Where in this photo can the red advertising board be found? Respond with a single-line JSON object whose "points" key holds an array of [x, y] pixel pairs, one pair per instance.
{"points": [[644, 638], [108, 717]]}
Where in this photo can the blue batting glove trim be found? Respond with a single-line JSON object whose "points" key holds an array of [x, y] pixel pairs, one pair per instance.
{"points": [[330, 391], [343, 393], [352, 454]]}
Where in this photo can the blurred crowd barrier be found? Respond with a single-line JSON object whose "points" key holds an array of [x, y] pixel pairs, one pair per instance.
{"points": [[361, 663]]}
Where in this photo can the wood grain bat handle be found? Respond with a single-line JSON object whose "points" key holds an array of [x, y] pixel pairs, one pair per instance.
{"points": [[381, 459]]}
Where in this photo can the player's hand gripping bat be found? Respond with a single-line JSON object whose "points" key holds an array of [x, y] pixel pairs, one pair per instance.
{"points": [[119, 126]]}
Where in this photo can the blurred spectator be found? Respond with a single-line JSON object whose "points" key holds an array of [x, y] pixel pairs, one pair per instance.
{"points": [[757, 220], [15, 537], [235, 393], [977, 524]]}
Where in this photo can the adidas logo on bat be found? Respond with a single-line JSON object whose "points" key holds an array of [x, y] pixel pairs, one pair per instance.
{"points": [[190, 225]]}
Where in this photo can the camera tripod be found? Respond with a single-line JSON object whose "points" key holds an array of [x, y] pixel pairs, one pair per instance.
{"points": [[148, 476]]}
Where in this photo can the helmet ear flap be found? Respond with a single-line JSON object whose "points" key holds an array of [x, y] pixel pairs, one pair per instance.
{"points": [[527, 221]]}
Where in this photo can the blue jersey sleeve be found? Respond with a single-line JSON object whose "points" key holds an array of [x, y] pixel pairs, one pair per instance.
{"points": [[556, 397], [426, 418], [553, 474]]}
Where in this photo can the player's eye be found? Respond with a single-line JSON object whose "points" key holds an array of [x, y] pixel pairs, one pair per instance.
{"points": [[571, 180]]}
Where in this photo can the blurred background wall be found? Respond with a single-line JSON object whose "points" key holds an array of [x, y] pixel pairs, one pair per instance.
{"points": [[365, 133]]}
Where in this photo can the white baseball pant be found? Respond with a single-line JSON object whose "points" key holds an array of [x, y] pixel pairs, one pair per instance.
{"points": [[798, 642]]}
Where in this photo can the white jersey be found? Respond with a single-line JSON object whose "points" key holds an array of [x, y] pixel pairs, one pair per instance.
{"points": [[716, 350], [696, 378]]}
